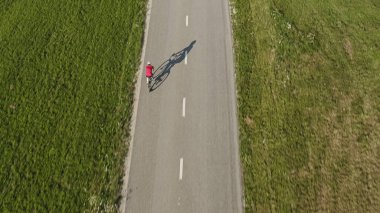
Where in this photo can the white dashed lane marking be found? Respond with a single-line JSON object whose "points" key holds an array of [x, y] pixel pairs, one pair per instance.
{"points": [[180, 168], [183, 107]]}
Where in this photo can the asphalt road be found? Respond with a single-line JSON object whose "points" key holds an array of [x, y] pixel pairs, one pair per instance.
{"points": [[185, 149]]}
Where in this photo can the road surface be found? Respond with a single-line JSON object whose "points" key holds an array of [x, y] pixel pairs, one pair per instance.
{"points": [[185, 149]]}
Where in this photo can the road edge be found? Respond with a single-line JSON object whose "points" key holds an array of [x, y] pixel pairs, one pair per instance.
{"points": [[233, 96], [127, 163]]}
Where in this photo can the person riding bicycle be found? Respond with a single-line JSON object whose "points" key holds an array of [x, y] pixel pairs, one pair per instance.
{"points": [[148, 72]]}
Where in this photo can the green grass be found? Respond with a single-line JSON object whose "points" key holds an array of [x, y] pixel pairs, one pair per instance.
{"points": [[308, 78], [66, 91]]}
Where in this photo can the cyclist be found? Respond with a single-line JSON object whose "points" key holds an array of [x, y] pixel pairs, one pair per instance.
{"points": [[148, 72]]}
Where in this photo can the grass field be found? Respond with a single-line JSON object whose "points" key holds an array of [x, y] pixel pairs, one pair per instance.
{"points": [[308, 75], [66, 86]]}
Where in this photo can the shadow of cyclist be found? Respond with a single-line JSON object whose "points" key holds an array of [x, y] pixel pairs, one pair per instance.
{"points": [[163, 71]]}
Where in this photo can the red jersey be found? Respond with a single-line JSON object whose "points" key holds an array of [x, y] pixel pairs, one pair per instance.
{"points": [[148, 70]]}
